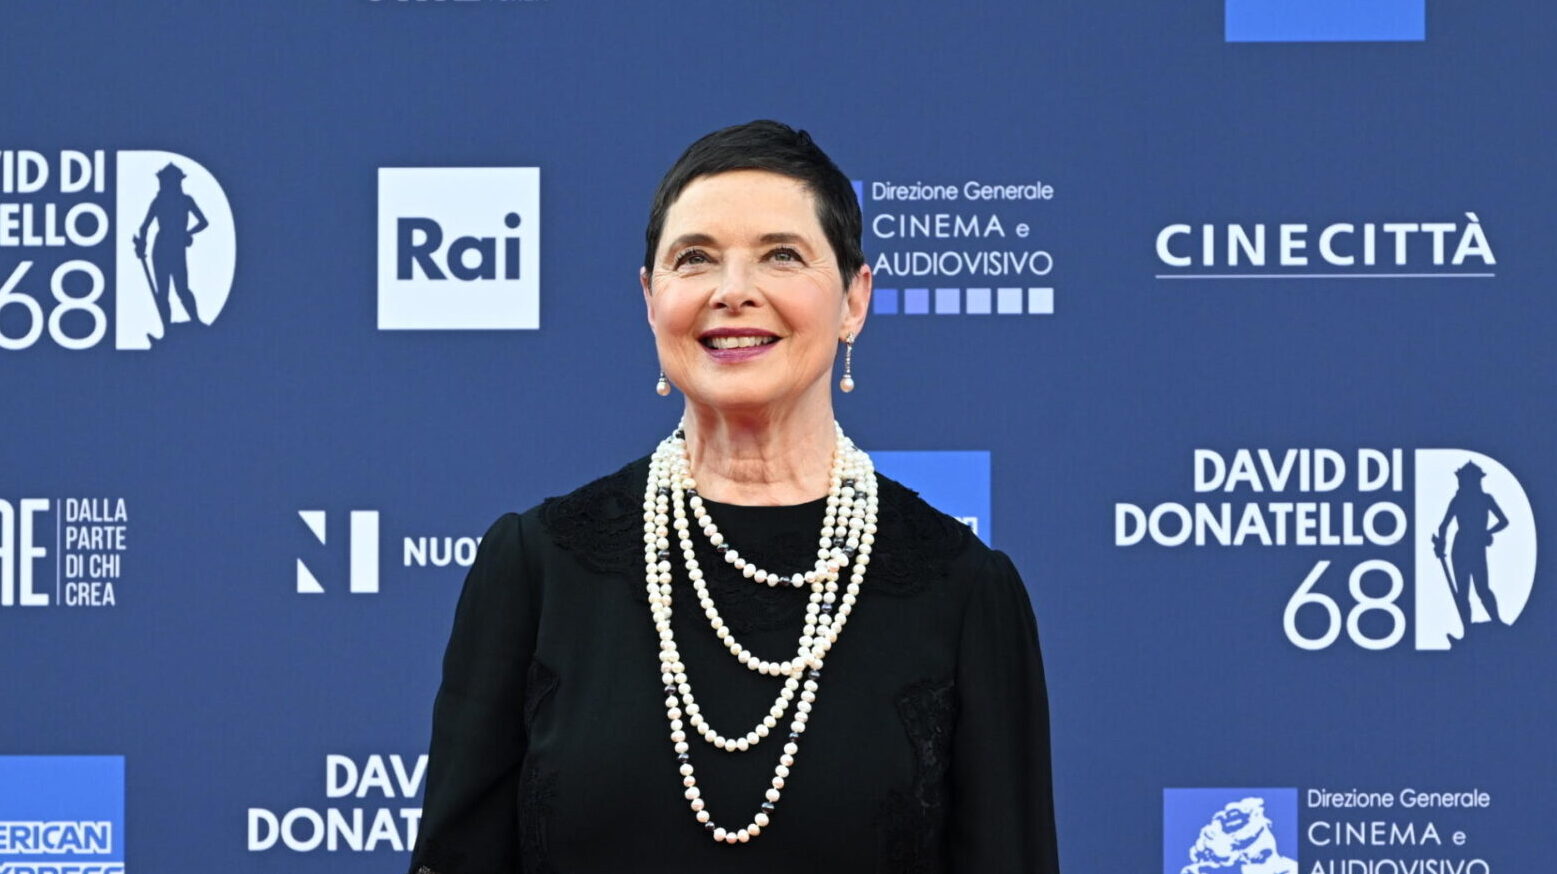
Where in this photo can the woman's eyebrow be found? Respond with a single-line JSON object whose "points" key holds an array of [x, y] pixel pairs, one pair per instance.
{"points": [[702, 239], [695, 239], [780, 237]]}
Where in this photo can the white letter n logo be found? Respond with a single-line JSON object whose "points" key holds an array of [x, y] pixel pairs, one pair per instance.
{"points": [[364, 551]]}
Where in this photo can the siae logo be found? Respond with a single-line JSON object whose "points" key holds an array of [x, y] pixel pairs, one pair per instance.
{"points": [[159, 224], [458, 248], [363, 535], [1229, 831], [62, 552]]}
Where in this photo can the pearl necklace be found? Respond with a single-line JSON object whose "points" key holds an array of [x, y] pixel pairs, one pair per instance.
{"points": [[848, 532]]}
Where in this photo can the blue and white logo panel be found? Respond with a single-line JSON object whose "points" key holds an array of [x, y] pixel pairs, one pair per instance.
{"points": [[1229, 831], [459, 248], [972, 247], [1326, 20], [956, 483], [62, 815]]}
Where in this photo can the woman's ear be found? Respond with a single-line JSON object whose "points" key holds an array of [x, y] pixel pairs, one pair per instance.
{"points": [[648, 295], [857, 301]]}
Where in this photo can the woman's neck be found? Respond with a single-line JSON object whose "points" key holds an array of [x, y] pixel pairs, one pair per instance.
{"points": [[767, 458]]}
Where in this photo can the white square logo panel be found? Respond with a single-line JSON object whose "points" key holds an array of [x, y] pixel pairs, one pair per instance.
{"points": [[459, 248]]}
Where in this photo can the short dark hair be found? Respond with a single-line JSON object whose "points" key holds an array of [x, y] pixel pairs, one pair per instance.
{"points": [[777, 148]]}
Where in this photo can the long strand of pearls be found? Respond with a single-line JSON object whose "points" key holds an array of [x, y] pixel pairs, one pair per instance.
{"points": [[848, 534]]}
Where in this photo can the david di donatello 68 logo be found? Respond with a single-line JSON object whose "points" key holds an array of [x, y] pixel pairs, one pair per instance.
{"points": [[158, 223], [1460, 530]]}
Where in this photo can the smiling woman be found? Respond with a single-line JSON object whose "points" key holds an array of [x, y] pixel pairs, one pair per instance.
{"points": [[748, 304], [567, 735]]}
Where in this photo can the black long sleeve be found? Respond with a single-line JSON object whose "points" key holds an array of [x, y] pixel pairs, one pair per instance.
{"points": [[1002, 810], [477, 737]]}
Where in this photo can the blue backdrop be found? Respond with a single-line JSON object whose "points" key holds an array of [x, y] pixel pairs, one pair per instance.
{"points": [[1120, 247]]}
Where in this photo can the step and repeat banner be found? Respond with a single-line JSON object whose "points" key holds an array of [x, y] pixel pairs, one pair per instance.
{"points": [[1229, 320]]}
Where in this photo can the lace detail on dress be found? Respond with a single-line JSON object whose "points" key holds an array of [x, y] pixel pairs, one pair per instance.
{"points": [[911, 822], [601, 523], [537, 787], [915, 543]]}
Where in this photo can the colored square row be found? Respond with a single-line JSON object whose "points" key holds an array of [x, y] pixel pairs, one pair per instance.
{"points": [[959, 301]]}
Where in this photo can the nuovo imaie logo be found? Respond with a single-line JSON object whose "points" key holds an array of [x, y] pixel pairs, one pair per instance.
{"points": [[157, 222], [1464, 520], [1229, 831]]}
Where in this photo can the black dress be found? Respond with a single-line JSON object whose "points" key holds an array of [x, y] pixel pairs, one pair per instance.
{"points": [[927, 749]]}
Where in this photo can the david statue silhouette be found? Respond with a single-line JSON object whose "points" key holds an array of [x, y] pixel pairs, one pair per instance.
{"points": [[1469, 509], [170, 209]]}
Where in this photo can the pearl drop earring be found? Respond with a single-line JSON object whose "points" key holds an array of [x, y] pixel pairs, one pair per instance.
{"points": [[847, 383], [662, 388]]}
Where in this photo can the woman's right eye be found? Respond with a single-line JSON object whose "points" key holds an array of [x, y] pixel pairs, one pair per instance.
{"points": [[691, 256]]}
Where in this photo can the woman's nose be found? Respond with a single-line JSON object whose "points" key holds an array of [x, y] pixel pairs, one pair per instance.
{"points": [[737, 286]]}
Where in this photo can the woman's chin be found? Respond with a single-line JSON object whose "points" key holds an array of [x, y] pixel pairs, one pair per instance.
{"points": [[735, 398]]}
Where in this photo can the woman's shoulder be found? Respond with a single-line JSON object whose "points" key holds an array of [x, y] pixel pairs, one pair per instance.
{"points": [[600, 522], [918, 546], [617, 493]]}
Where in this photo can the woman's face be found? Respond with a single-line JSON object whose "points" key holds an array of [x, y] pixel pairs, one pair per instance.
{"points": [[745, 299]]}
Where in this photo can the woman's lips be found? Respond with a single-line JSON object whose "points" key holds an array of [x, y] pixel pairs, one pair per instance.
{"points": [[744, 353]]}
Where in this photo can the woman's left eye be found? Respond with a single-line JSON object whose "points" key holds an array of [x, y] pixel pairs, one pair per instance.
{"points": [[786, 254]]}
